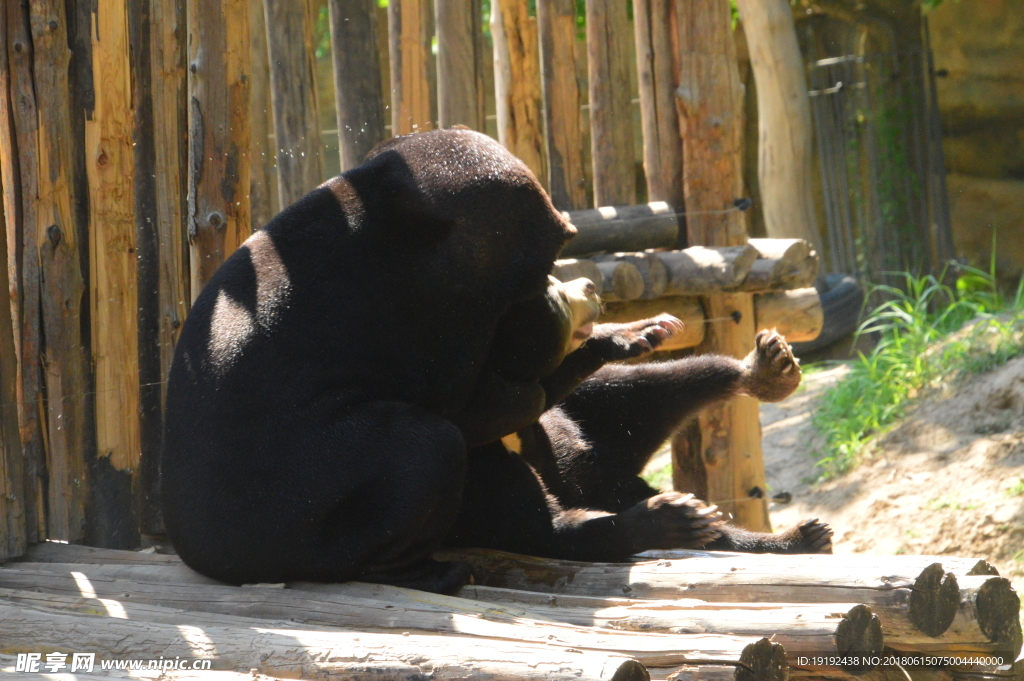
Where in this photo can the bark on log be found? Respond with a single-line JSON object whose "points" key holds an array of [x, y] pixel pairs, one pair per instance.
{"points": [[797, 315], [699, 270], [620, 280], [358, 92], [563, 121], [611, 115], [21, 178], [517, 83], [785, 167], [622, 228], [410, 85], [651, 268], [772, 274], [687, 310], [293, 91], [460, 80], [926, 601], [218, 155], [569, 269], [663, 146], [296, 653], [335, 606]]}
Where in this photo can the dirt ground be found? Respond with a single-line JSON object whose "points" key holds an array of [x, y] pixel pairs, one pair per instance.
{"points": [[949, 479]]}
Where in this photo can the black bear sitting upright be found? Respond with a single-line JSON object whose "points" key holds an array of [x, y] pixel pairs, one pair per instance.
{"points": [[331, 406]]}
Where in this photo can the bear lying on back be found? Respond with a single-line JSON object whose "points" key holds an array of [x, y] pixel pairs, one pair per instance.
{"points": [[325, 406]]}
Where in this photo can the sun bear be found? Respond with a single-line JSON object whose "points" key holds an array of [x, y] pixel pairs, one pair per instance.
{"points": [[331, 403]]}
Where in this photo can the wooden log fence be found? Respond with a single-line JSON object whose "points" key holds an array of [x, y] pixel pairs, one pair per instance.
{"points": [[135, 155]]}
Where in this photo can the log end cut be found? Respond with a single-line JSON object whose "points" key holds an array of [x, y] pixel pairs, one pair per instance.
{"points": [[859, 635], [763, 661], [630, 670], [934, 600], [998, 615]]}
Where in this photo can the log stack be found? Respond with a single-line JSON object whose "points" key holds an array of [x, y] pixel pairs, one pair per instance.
{"points": [[638, 284], [687, 615]]}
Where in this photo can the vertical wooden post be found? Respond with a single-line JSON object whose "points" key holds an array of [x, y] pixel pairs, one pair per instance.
{"points": [[293, 91], [218, 122], [408, 21], [563, 123], [711, 114], [654, 22], [785, 166], [111, 170], [12, 469], [57, 250], [517, 83], [263, 200], [460, 81], [357, 78], [24, 263], [611, 118]]}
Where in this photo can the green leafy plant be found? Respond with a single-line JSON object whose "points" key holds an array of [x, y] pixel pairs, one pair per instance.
{"points": [[909, 357]]}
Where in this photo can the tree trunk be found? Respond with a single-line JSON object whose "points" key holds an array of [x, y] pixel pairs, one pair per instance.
{"points": [[410, 84], [460, 81], [785, 166]]}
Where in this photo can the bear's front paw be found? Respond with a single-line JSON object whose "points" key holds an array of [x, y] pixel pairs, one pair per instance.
{"points": [[673, 521], [773, 373], [810, 536], [615, 342]]}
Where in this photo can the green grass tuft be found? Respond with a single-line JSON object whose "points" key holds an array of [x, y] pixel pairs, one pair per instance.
{"points": [[917, 351]]}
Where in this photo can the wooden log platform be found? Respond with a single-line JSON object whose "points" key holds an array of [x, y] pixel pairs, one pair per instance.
{"points": [[688, 615]]}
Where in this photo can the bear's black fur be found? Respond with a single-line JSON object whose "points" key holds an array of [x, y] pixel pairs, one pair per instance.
{"points": [[331, 404]]}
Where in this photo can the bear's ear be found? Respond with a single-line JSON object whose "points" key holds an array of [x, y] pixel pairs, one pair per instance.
{"points": [[394, 204]]}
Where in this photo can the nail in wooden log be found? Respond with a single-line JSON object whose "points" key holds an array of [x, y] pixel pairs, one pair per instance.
{"points": [[264, 202], [687, 310], [801, 629], [281, 649], [293, 92], [335, 605], [218, 122], [611, 115], [517, 83], [357, 78], [698, 270], [651, 268], [785, 167], [663, 147], [571, 268], [926, 601], [621, 280], [560, 89], [410, 85], [21, 173], [57, 248], [797, 315], [460, 81], [622, 228]]}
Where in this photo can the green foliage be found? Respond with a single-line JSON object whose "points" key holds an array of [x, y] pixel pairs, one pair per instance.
{"points": [[659, 478], [1015, 488], [910, 358]]}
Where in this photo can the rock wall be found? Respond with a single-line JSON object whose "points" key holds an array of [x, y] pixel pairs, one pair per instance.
{"points": [[979, 58]]}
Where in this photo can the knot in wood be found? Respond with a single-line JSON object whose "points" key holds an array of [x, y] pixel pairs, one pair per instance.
{"points": [[52, 25], [54, 234]]}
